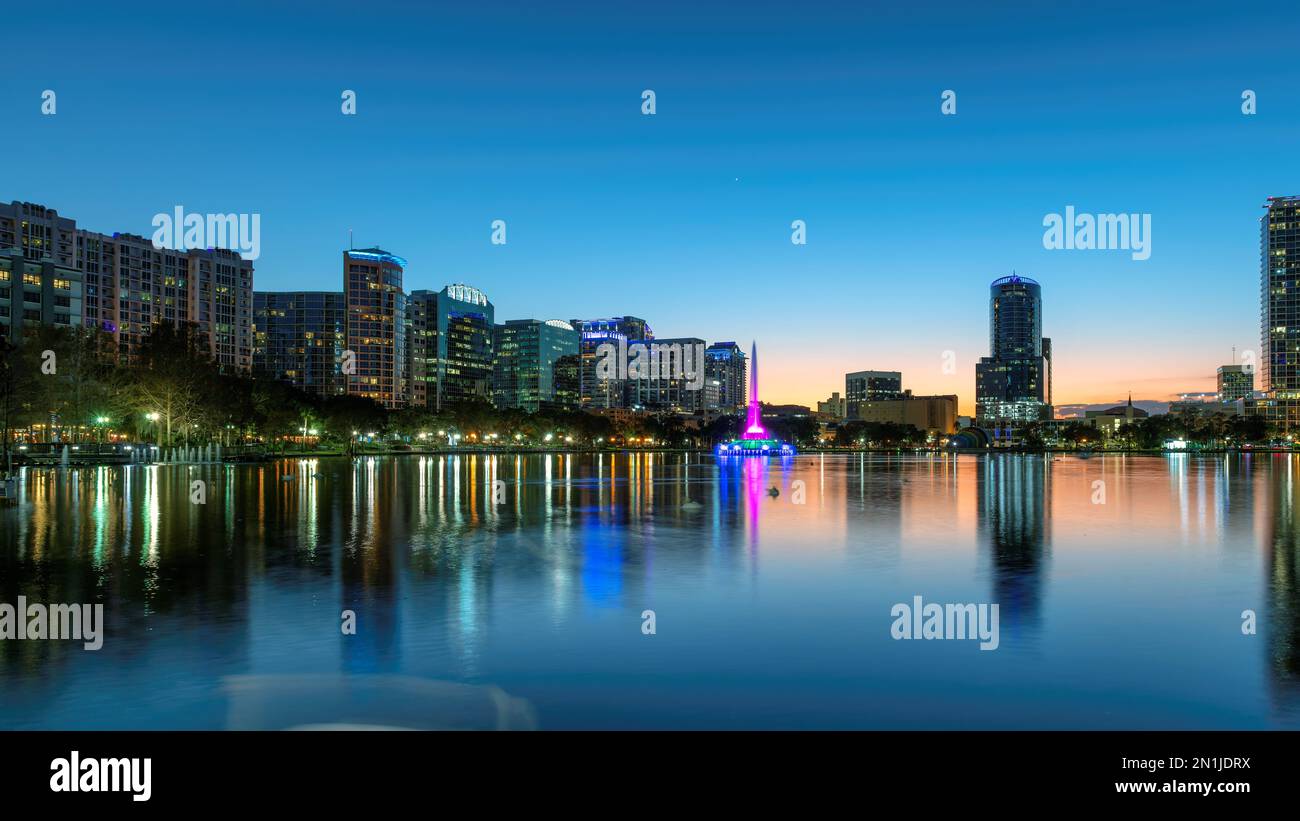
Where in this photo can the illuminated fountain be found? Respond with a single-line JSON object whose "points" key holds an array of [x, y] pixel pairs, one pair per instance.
{"points": [[755, 440]]}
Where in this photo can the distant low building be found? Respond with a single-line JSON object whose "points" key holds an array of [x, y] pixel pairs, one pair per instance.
{"points": [[1235, 382], [871, 386], [786, 411], [1233, 408], [1111, 419], [932, 414], [833, 408]]}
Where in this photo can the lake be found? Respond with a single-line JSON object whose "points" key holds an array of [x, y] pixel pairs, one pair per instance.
{"points": [[509, 591]]}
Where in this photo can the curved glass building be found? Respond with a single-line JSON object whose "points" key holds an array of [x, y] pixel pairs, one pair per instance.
{"points": [[1013, 383]]}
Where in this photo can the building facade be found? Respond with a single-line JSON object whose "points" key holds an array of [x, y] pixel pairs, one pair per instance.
{"points": [[872, 386], [1013, 383], [667, 375], [37, 292], [932, 414], [1279, 286], [376, 362], [535, 365], [834, 408], [129, 285], [1235, 382], [451, 346], [619, 331], [725, 369], [299, 338]]}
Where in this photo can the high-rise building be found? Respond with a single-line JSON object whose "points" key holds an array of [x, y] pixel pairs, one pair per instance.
{"points": [[870, 386], [1013, 382], [1235, 382], [533, 360], [669, 375], [451, 346], [299, 338], [568, 381], [36, 292], [1279, 295], [617, 331], [725, 368], [861, 387], [376, 326], [129, 285]]}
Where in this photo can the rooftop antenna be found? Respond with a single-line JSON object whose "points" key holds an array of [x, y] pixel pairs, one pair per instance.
{"points": [[351, 247]]}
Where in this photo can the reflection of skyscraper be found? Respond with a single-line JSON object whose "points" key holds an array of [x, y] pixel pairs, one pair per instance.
{"points": [[1281, 620], [1013, 381], [1012, 516]]}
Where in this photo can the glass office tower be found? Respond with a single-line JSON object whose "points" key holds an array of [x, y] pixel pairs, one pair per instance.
{"points": [[1279, 287], [1013, 382], [533, 359], [299, 338], [451, 346]]}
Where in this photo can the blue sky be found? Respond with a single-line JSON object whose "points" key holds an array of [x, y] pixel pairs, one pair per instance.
{"points": [[766, 113]]}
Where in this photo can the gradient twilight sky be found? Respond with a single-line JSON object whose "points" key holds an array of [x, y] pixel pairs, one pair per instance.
{"points": [[766, 113]]}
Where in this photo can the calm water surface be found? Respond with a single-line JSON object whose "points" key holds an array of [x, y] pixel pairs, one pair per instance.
{"points": [[528, 613]]}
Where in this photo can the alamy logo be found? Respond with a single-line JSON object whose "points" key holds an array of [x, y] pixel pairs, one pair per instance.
{"points": [[75, 774], [1104, 232], [58, 622], [946, 621], [180, 231], [654, 360]]}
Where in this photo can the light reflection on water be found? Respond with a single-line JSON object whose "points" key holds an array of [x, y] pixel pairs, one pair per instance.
{"points": [[768, 613]]}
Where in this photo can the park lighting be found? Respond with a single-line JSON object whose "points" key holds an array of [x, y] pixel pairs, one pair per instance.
{"points": [[152, 417], [518, 436], [102, 420], [548, 437]]}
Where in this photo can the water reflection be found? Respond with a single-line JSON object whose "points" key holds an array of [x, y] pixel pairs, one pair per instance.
{"points": [[772, 581], [1014, 494]]}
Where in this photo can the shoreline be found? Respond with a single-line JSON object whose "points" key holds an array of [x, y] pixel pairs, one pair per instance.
{"points": [[334, 453]]}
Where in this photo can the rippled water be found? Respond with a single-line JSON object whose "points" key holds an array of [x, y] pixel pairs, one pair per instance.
{"points": [[768, 612]]}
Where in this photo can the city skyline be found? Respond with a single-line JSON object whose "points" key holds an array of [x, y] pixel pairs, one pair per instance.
{"points": [[967, 406], [472, 116]]}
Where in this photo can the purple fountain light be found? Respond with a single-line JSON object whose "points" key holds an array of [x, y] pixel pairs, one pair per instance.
{"points": [[754, 421]]}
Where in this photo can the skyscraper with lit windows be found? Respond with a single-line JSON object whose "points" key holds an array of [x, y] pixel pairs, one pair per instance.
{"points": [[451, 346], [375, 361], [1279, 317], [1013, 383]]}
